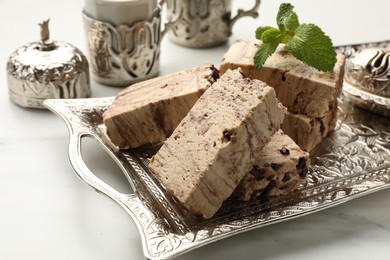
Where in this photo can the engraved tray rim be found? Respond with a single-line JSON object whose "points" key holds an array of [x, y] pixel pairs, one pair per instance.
{"points": [[164, 237]]}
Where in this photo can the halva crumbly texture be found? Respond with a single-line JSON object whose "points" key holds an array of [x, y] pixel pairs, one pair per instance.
{"points": [[218, 142], [308, 131], [282, 167], [149, 111], [301, 88]]}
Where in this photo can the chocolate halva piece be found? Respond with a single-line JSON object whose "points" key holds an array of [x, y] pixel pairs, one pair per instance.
{"points": [[218, 142], [149, 111], [281, 168], [308, 131], [301, 88]]}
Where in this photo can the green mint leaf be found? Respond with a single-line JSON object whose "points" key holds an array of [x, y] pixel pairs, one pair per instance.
{"points": [[307, 42], [263, 52], [310, 45], [271, 35], [286, 38], [284, 12], [261, 30], [291, 22]]}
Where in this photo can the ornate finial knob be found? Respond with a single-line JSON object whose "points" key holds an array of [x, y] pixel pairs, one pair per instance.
{"points": [[45, 34], [46, 43]]}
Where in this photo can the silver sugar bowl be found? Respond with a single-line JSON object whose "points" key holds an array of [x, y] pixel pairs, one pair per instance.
{"points": [[367, 80], [47, 70]]}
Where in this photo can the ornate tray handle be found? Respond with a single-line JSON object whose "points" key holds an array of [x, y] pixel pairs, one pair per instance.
{"points": [[129, 202], [79, 129], [88, 176]]}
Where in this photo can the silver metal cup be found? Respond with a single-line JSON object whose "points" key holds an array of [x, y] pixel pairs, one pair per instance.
{"points": [[203, 23], [124, 54]]}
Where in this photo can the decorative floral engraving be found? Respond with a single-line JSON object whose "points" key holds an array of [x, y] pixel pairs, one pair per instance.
{"points": [[349, 50], [367, 76], [369, 70]]}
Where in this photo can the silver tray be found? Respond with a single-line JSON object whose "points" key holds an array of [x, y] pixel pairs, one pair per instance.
{"points": [[352, 161]]}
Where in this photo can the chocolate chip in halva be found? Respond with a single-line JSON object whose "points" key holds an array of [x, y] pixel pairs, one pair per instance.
{"points": [[284, 151], [301, 163], [276, 166]]}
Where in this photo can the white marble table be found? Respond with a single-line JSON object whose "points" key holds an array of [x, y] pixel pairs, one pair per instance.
{"points": [[46, 212]]}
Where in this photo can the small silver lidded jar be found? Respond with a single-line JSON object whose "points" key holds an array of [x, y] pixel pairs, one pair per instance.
{"points": [[47, 70], [367, 80]]}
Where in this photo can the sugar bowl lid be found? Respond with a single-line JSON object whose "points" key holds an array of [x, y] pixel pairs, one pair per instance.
{"points": [[367, 79], [47, 70]]}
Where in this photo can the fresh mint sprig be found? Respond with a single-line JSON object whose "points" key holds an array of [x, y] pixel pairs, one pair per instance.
{"points": [[306, 42]]}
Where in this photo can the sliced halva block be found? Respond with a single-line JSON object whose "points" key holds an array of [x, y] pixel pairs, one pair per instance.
{"points": [[217, 143], [282, 167], [301, 88], [308, 131], [149, 111]]}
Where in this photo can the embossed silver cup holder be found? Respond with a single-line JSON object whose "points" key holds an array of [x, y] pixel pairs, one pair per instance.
{"points": [[125, 54]]}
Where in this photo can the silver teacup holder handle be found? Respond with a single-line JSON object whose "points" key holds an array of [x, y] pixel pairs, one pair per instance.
{"points": [[203, 23], [242, 13]]}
